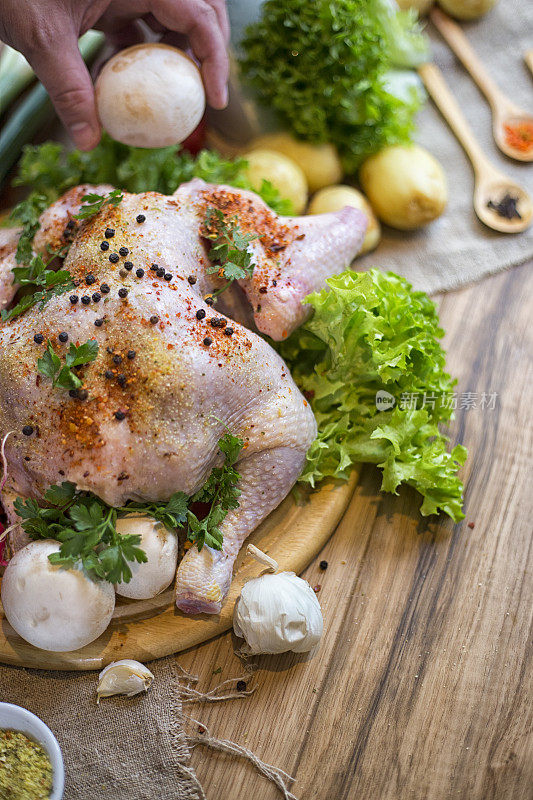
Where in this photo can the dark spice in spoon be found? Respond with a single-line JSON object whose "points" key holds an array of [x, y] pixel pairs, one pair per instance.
{"points": [[506, 207]]}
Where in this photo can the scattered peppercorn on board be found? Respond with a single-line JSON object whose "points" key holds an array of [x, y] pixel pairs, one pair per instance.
{"points": [[146, 629]]}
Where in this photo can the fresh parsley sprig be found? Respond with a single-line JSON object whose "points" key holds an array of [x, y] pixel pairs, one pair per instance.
{"points": [[46, 283], [62, 376], [27, 214], [93, 203], [86, 526], [229, 250], [220, 492]]}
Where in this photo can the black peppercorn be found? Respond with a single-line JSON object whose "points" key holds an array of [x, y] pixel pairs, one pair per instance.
{"points": [[74, 299], [27, 430], [73, 393], [117, 359], [38, 338], [228, 331], [209, 301], [120, 415], [214, 322], [108, 374], [114, 258], [128, 265], [154, 319], [323, 565], [208, 341], [241, 686], [85, 299], [121, 380], [140, 218], [200, 314], [123, 251], [104, 288], [104, 246], [99, 323], [160, 272], [154, 267], [140, 273], [97, 297], [109, 233], [123, 292], [263, 289], [90, 279], [131, 354], [192, 279], [63, 337], [168, 276], [83, 394]]}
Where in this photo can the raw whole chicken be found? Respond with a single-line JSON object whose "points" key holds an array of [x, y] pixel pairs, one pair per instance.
{"points": [[172, 372]]}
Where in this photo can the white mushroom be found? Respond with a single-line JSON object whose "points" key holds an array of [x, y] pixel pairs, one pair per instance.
{"points": [[150, 95], [161, 548], [52, 607]]}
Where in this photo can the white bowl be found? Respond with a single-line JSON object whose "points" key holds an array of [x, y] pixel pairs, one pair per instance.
{"points": [[17, 718]]}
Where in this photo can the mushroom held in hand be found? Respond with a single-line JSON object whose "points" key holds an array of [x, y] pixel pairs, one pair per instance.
{"points": [[150, 95], [52, 607], [161, 547]]}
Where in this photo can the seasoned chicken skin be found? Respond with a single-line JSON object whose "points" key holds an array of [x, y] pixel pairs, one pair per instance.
{"points": [[171, 375]]}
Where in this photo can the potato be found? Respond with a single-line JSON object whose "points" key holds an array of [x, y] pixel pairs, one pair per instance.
{"points": [[320, 163], [422, 6], [150, 95], [467, 9], [406, 186], [282, 172], [333, 198]]}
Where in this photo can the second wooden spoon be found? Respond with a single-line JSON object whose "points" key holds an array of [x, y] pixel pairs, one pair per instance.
{"points": [[505, 114], [492, 188]]}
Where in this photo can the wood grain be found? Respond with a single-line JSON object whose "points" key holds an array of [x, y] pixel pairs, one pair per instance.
{"points": [[144, 630], [422, 688]]}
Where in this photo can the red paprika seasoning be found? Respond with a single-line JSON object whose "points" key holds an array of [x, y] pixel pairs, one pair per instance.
{"points": [[519, 136]]}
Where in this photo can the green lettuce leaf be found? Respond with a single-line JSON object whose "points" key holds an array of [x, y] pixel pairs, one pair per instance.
{"points": [[372, 336]]}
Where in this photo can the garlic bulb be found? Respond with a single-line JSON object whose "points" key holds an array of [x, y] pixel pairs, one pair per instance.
{"points": [[276, 613], [124, 677]]}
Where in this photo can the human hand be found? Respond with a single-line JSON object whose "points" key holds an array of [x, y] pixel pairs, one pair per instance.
{"points": [[47, 32]]}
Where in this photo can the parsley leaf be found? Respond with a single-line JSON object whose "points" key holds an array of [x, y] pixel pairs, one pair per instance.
{"points": [[63, 377], [93, 203], [47, 282], [230, 247], [220, 491], [27, 214]]}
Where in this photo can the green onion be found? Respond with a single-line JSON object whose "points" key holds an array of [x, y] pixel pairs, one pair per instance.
{"points": [[15, 75], [34, 110]]}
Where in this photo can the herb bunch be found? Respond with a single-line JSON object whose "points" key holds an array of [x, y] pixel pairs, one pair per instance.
{"points": [[62, 376], [229, 250], [345, 99], [86, 526]]}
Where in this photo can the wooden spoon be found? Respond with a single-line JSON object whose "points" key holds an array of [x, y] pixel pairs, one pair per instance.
{"points": [[490, 185], [504, 112]]}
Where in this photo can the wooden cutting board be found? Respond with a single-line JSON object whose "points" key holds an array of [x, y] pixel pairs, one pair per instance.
{"points": [[146, 629]]}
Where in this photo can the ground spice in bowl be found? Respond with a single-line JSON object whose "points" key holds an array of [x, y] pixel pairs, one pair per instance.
{"points": [[25, 769]]}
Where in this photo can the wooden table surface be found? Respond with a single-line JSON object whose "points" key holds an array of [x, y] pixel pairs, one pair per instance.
{"points": [[422, 688]]}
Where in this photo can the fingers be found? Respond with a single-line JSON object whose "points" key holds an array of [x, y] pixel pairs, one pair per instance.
{"points": [[219, 7], [200, 21], [62, 70]]}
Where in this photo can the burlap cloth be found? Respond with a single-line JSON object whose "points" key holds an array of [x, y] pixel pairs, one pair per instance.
{"points": [[458, 249], [122, 749], [137, 749]]}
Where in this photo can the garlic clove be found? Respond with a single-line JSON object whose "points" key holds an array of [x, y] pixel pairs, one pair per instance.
{"points": [[124, 677]]}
